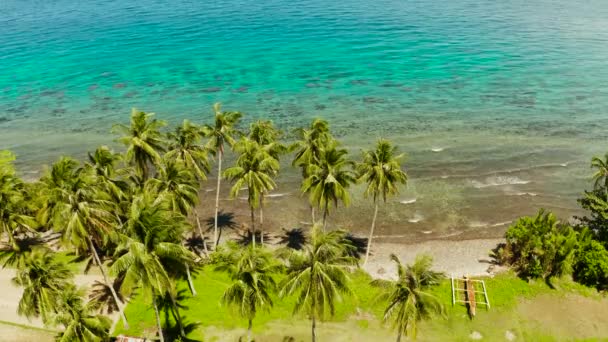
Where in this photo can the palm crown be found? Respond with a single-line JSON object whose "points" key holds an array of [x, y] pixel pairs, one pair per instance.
{"points": [[143, 140]]}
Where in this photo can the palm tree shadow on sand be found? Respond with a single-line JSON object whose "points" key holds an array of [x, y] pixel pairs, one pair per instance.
{"points": [[224, 221], [293, 238], [244, 238], [359, 245]]}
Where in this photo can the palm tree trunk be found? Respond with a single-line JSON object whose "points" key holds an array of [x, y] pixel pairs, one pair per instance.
{"points": [[325, 217], [314, 326], [200, 232], [312, 213], [179, 316], [159, 326], [371, 235], [249, 328], [252, 226], [399, 336], [190, 283], [262, 219], [216, 238], [108, 284]]}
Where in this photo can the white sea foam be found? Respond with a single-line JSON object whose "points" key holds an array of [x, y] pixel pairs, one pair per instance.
{"points": [[532, 194], [426, 232], [437, 149], [277, 195], [417, 218], [500, 224], [478, 224], [408, 201], [499, 181]]}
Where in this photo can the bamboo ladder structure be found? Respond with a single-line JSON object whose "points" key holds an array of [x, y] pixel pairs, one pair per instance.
{"points": [[465, 288]]}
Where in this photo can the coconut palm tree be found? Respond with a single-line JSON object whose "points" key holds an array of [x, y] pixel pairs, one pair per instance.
{"points": [[254, 169], [409, 299], [252, 272], [43, 279], [83, 213], [15, 253], [179, 188], [103, 162], [317, 275], [149, 252], [328, 181], [185, 147], [308, 148], [14, 216], [220, 134], [143, 140], [601, 174], [78, 318], [381, 171], [267, 136]]}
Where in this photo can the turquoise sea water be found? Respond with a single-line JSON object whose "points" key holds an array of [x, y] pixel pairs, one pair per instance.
{"points": [[499, 104]]}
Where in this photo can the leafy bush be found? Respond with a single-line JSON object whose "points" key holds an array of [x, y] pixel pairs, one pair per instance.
{"points": [[596, 202], [539, 247], [591, 265]]}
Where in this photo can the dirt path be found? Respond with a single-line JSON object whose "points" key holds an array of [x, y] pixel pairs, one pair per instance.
{"points": [[571, 317]]}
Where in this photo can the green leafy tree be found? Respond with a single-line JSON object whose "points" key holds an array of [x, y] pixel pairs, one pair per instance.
{"points": [[540, 246], [83, 213], [185, 147], [220, 134], [601, 174], [591, 264], [409, 299], [43, 279], [308, 148], [254, 169], [381, 171], [15, 253], [318, 275], [150, 253], [329, 180], [79, 319], [14, 216], [252, 272], [143, 140], [103, 163], [177, 186], [268, 138]]}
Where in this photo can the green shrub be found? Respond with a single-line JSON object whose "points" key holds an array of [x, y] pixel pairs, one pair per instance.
{"points": [[539, 247], [591, 265]]}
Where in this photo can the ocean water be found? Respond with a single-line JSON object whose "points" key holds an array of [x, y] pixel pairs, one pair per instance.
{"points": [[499, 104]]}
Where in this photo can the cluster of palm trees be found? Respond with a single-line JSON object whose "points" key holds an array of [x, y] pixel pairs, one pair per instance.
{"points": [[129, 214]]}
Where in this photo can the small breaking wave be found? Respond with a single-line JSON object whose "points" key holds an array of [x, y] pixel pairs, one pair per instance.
{"points": [[437, 149], [408, 201], [277, 195], [417, 218], [499, 181], [531, 194], [479, 224]]}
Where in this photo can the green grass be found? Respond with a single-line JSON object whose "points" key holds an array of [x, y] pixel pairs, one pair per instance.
{"points": [[360, 313]]}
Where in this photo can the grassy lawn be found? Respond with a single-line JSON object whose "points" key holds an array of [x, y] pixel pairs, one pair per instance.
{"points": [[359, 318]]}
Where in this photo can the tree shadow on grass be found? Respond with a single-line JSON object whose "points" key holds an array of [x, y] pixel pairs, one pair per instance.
{"points": [[172, 332], [196, 245], [293, 238], [224, 221]]}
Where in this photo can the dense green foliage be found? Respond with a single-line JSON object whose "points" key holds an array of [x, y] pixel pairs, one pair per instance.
{"points": [[132, 215], [409, 299]]}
